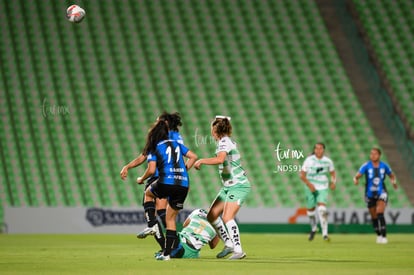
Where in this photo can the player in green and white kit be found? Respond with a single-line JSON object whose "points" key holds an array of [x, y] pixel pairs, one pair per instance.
{"points": [[196, 233], [235, 188], [315, 174]]}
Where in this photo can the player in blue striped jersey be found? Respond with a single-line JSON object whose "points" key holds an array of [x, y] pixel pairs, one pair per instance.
{"points": [[174, 122], [376, 195], [166, 156]]}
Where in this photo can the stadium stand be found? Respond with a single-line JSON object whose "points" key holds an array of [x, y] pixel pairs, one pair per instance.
{"points": [[77, 99], [389, 25]]}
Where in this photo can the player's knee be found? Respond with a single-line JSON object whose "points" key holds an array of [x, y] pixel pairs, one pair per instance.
{"points": [[310, 213], [322, 209]]}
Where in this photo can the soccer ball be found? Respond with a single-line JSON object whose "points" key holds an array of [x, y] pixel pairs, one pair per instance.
{"points": [[75, 14]]}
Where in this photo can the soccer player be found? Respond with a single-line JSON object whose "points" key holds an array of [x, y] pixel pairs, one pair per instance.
{"points": [[236, 187], [173, 121], [376, 196], [315, 174], [166, 156], [196, 233]]}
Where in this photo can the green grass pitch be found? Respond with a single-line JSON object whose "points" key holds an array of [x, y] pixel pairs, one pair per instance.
{"points": [[266, 254]]}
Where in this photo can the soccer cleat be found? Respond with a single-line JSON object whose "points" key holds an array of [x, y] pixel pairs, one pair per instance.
{"points": [[379, 239], [163, 258], [384, 240], [326, 238], [158, 253], [226, 251], [147, 231], [238, 256], [312, 235]]}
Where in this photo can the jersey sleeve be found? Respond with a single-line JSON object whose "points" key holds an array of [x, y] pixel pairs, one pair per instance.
{"points": [[363, 169], [306, 164], [151, 157], [388, 170], [183, 148], [224, 145], [331, 166]]}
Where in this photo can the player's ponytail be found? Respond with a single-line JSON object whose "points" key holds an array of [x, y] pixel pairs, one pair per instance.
{"points": [[158, 132]]}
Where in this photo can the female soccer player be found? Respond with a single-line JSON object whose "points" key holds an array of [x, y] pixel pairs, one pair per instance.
{"points": [[376, 195], [196, 233], [166, 156], [236, 187], [173, 121], [315, 174]]}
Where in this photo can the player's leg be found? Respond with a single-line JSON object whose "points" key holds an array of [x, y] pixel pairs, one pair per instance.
{"points": [[213, 216], [230, 210], [171, 233], [310, 206], [322, 199], [380, 208], [234, 200], [177, 196], [161, 206], [149, 210], [371, 204]]}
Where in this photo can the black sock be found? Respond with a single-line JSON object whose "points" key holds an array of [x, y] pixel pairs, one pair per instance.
{"points": [[161, 215], [376, 227], [149, 209], [170, 241], [159, 236], [382, 225]]}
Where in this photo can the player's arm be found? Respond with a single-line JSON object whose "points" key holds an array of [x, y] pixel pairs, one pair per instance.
{"points": [[333, 180], [213, 243], [360, 172], [306, 181], [152, 165], [192, 157], [218, 159], [356, 178], [134, 163], [393, 181]]}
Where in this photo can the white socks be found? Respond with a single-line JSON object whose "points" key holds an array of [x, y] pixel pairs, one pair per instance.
{"points": [[312, 220], [222, 232], [234, 233], [323, 218]]}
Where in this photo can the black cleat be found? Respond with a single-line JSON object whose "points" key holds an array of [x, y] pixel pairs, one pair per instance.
{"points": [[312, 235], [326, 238]]}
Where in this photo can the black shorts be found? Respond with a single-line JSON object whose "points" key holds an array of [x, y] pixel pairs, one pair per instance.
{"points": [[372, 201], [175, 194]]}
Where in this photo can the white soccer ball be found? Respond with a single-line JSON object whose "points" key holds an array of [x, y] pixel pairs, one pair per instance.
{"points": [[75, 14]]}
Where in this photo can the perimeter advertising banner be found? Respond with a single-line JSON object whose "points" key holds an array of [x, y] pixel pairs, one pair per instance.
{"points": [[131, 220]]}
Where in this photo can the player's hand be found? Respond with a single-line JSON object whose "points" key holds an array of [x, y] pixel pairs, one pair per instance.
{"points": [[124, 172], [355, 181], [140, 180], [333, 186], [197, 164]]}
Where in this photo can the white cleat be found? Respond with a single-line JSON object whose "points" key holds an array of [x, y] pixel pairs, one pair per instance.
{"points": [[237, 256], [163, 258], [379, 239], [147, 231]]}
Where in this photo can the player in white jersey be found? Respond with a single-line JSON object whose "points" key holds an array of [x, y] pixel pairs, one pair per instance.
{"points": [[196, 233], [315, 174], [236, 187]]}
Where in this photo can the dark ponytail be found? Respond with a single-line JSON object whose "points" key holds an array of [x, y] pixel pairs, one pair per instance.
{"points": [[158, 132]]}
